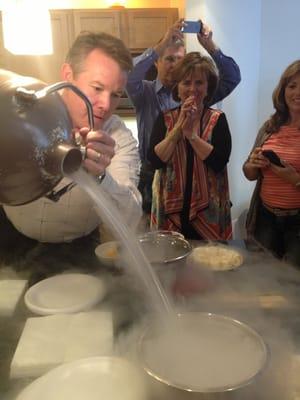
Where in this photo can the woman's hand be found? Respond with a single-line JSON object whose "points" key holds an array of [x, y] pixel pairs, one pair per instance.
{"points": [[254, 164], [287, 173], [189, 115], [99, 150], [257, 160]]}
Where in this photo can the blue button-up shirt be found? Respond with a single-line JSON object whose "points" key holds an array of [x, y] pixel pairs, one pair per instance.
{"points": [[151, 97]]}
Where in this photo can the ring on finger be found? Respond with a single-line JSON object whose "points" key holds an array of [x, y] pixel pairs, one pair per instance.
{"points": [[98, 157]]}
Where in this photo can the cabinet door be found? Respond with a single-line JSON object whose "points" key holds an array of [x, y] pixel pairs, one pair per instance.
{"points": [[107, 21], [46, 68], [145, 27]]}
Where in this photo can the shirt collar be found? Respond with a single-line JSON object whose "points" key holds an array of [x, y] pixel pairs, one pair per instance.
{"points": [[160, 87]]}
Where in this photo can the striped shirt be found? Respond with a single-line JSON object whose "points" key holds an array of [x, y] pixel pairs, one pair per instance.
{"points": [[275, 191]]}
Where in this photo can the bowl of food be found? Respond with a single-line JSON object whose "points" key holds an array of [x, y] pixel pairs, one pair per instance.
{"points": [[216, 257], [108, 253]]}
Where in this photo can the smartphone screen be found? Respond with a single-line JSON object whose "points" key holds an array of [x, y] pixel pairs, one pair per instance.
{"points": [[191, 27], [272, 157]]}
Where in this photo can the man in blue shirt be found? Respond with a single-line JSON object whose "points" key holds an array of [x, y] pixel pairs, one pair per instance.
{"points": [[152, 97]]}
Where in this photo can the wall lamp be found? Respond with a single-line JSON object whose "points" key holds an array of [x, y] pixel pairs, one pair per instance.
{"points": [[27, 27]]}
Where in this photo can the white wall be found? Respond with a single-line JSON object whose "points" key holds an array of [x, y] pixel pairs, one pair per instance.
{"points": [[280, 45], [263, 37], [236, 29]]}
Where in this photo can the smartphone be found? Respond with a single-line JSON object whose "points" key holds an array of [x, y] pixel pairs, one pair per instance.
{"points": [[272, 157], [192, 27]]}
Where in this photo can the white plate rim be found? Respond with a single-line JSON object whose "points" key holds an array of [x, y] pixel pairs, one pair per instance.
{"points": [[32, 306], [57, 372]]}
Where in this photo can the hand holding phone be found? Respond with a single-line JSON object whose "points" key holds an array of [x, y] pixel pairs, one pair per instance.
{"points": [[272, 157], [192, 27]]}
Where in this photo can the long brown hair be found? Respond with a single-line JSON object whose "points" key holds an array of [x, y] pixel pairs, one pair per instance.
{"points": [[190, 63], [281, 115]]}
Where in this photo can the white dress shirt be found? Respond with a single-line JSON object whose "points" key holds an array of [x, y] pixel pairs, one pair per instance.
{"points": [[74, 215]]}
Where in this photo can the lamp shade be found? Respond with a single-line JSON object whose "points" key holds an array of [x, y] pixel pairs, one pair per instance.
{"points": [[27, 28]]}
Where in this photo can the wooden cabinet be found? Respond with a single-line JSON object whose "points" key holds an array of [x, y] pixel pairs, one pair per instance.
{"points": [[143, 28], [138, 28], [97, 20]]}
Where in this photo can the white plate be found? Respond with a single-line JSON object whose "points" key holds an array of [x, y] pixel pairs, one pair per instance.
{"points": [[65, 293], [95, 378]]}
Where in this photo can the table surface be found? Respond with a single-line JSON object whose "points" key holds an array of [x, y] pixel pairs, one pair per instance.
{"points": [[263, 293]]}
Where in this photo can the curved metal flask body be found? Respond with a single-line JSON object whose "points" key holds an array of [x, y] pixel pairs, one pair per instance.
{"points": [[36, 142]]}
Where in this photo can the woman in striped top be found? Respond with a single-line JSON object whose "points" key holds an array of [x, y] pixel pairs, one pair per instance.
{"points": [[274, 215]]}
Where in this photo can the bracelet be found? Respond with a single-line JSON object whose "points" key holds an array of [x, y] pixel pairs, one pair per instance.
{"points": [[194, 135]]}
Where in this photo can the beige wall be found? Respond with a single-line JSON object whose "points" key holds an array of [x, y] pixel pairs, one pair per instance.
{"points": [[180, 4]]}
